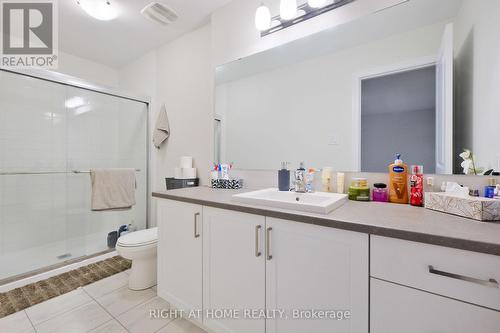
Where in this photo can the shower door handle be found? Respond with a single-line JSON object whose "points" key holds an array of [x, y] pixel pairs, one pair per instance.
{"points": [[196, 234]]}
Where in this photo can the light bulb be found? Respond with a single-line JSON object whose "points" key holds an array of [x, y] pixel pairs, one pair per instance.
{"points": [[99, 9], [288, 9], [263, 18], [316, 3]]}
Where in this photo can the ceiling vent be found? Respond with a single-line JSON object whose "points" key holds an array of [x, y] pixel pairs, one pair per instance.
{"points": [[159, 13]]}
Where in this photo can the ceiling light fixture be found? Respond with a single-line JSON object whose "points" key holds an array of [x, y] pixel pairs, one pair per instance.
{"points": [[99, 9], [263, 18], [288, 9]]}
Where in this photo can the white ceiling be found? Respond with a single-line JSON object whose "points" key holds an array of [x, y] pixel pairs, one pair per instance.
{"points": [[118, 42]]}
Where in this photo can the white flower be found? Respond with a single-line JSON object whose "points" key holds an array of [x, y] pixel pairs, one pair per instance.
{"points": [[466, 154], [466, 165]]}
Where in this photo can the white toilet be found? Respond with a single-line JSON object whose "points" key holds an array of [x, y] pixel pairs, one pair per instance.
{"points": [[140, 247]]}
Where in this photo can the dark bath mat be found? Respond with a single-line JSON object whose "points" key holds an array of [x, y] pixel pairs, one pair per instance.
{"points": [[21, 298]]}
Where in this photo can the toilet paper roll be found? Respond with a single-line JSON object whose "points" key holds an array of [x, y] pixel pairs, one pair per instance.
{"points": [[188, 173], [178, 173], [186, 162]]}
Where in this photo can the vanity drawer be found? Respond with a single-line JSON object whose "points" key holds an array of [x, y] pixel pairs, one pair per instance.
{"points": [[463, 275], [398, 309]]}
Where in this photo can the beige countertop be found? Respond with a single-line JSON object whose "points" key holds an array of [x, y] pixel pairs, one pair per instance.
{"points": [[383, 219]]}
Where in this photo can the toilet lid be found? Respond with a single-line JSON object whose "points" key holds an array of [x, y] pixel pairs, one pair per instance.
{"points": [[139, 238]]}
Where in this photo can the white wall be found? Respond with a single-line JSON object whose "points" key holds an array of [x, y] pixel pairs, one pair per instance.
{"points": [[299, 128], [477, 52], [87, 70], [234, 34], [180, 75], [185, 84]]}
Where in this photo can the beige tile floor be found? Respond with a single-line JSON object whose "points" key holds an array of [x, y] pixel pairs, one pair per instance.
{"points": [[107, 306]]}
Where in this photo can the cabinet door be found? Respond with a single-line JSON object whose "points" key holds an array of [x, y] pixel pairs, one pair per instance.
{"points": [[180, 254], [316, 268], [233, 269], [396, 309]]}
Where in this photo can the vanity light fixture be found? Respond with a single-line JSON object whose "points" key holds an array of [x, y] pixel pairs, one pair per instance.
{"points": [[288, 9], [316, 3], [263, 18], [101, 10], [291, 14]]}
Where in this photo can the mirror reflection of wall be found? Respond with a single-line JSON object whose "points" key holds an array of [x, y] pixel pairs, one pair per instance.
{"points": [[299, 102], [477, 82], [398, 114]]}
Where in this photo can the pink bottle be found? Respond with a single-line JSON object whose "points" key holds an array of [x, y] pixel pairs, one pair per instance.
{"points": [[417, 185]]}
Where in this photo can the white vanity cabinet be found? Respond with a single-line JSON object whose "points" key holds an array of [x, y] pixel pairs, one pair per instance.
{"points": [[310, 267], [215, 259], [256, 263], [233, 265], [233, 269], [180, 254]]}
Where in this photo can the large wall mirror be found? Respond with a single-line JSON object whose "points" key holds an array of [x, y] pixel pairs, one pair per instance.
{"points": [[421, 79]]}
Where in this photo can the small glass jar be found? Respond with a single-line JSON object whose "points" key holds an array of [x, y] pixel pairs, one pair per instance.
{"points": [[380, 192], [489, 192], [359, 190]]}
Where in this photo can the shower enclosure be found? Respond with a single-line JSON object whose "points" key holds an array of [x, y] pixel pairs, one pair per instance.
{"points": [[53, 130]]}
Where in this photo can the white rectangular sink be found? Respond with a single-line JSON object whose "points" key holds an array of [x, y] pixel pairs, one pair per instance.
{"points": [[317, 202]]}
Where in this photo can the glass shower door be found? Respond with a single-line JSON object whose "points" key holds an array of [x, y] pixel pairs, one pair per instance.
{"points": [[103, 132], [32, 174], [51, 136]]}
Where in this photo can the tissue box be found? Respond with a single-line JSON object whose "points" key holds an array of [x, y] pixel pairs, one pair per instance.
{"points": [[481, 209]]}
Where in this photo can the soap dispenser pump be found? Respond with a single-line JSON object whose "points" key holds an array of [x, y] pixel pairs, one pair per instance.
{"points": [[398, 180]]}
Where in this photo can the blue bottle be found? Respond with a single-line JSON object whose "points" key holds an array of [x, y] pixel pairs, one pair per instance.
{"points": [[284, 177]]}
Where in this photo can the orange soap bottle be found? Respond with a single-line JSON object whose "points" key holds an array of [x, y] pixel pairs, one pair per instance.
{"points": [[398, 181]]}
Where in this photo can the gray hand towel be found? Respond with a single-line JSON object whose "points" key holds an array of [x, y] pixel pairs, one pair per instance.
{"points": [[113, 189], [162, 128]]}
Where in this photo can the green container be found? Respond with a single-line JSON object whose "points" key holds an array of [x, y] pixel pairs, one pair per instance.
{"points": [[359, 190]]}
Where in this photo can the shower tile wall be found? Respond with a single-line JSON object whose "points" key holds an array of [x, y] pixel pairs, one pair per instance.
{"points": [[48, 127]]}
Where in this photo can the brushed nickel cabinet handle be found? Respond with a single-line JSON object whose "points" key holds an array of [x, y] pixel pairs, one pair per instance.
{"points": [[196, 234], [488, 283], [268, 243], [257, 247]]}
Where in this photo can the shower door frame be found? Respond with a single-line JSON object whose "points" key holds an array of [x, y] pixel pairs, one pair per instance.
{"points": [[59, 78]]}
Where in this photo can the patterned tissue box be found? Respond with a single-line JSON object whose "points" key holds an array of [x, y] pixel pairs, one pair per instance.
{"points": [[481, 209], [228, 184]]}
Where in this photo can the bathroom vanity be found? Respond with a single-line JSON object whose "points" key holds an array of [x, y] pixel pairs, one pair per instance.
{"points": [[391, 268]]}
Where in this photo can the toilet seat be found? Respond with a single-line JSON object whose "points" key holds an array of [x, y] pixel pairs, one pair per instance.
{"points": [[140, 238]]}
